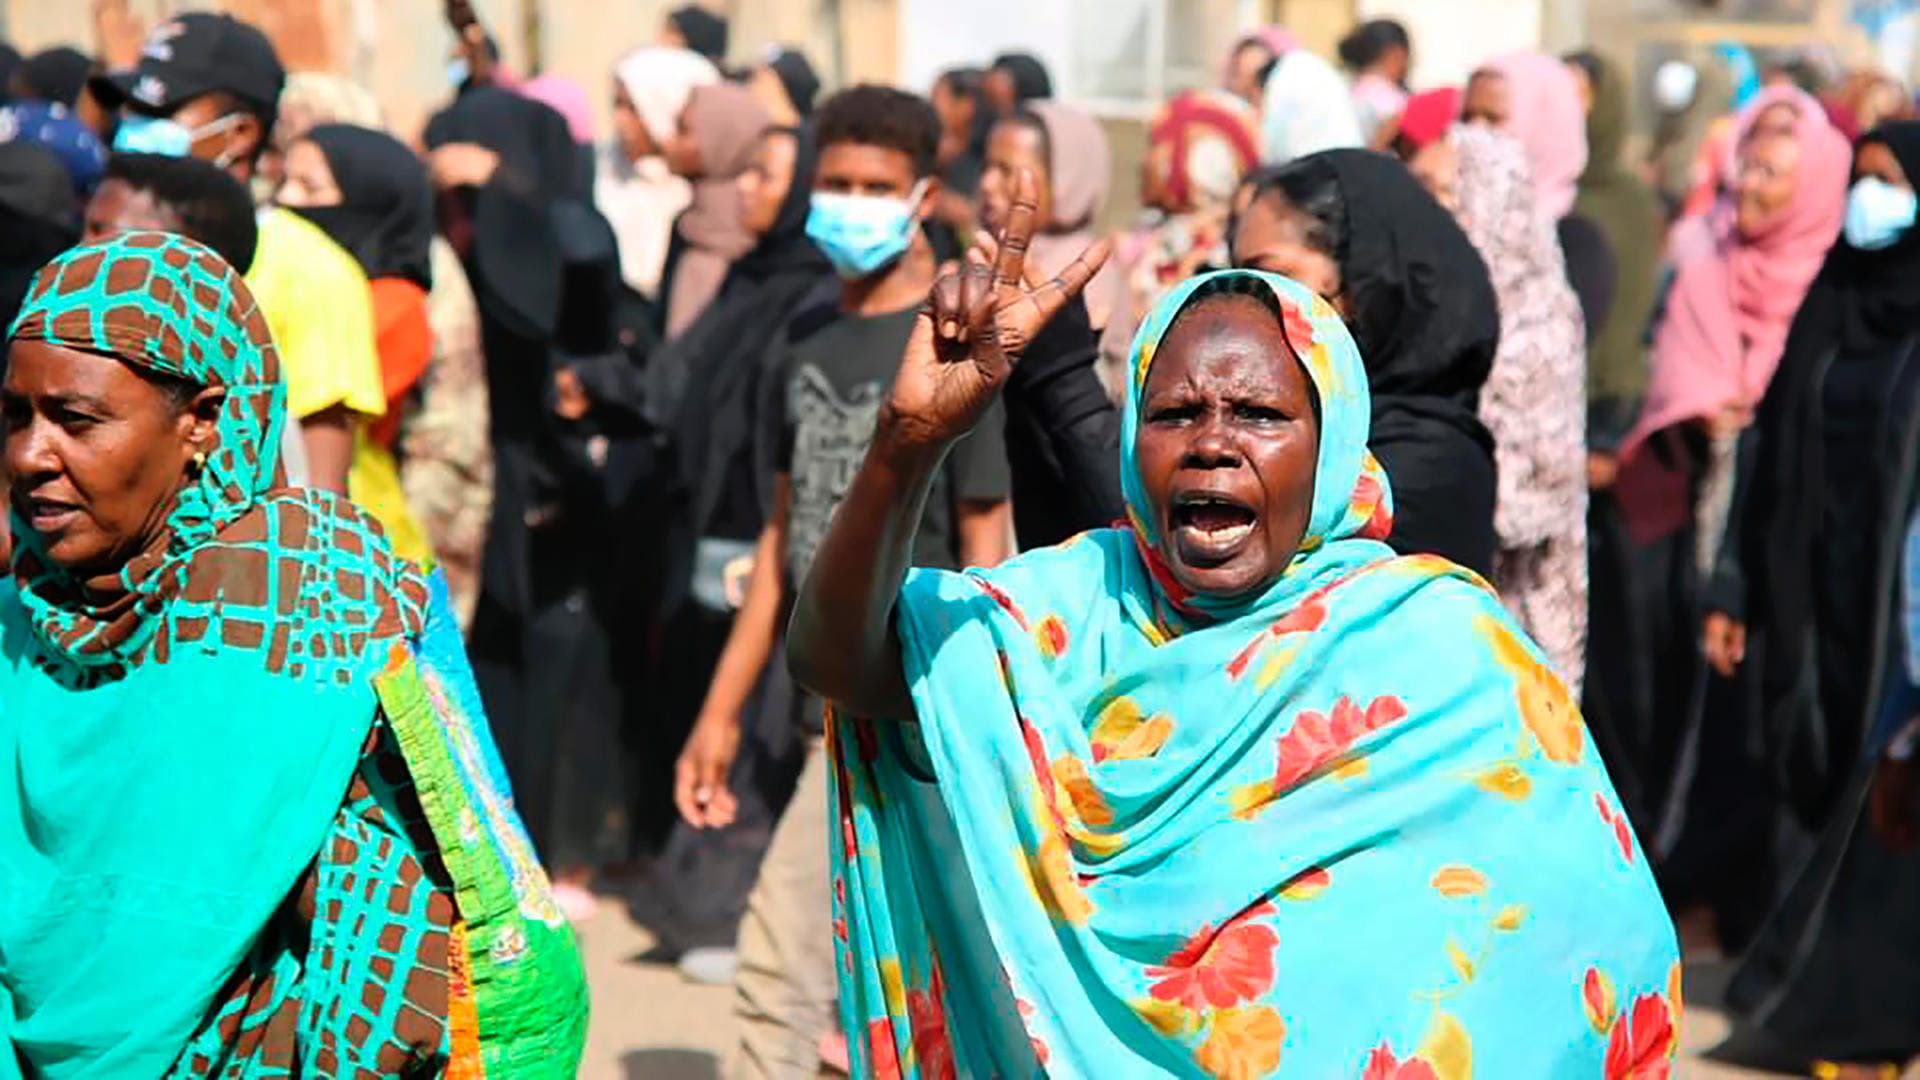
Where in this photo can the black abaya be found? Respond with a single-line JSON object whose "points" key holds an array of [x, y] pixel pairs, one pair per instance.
{"points": [[1420, 304], [545, 274], [1827, 486]]}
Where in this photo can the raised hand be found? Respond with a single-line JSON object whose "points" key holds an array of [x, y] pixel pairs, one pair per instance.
{"points": [[975, 325]]}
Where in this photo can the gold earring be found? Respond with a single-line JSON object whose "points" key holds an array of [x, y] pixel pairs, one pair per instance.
{"points": [[199, 461]]}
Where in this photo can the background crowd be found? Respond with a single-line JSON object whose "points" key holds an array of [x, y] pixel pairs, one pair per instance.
{"points": [[614, 383]]}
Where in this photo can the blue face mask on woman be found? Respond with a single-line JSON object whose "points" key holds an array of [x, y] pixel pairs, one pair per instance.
{"points": [[1878, 213], [859, 234]]}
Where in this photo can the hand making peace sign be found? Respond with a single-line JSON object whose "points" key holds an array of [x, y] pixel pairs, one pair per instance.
{"points": [[976, 323]]}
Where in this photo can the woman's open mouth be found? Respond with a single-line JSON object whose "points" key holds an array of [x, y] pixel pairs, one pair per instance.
{"points": [[47, 515], [1210, 527]]}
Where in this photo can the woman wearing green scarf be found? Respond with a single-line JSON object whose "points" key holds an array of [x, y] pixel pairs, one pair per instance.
{"points": [[1628, 213], [251, 823]]}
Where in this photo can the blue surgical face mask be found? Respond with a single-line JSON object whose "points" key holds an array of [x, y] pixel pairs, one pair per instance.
{"points": [[163, 135], [1878, 213], [152, 135], [458, 72], [862, 233]]}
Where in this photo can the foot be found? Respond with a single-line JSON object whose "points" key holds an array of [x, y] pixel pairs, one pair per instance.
{"points": [[709, 965], [575, 902]]}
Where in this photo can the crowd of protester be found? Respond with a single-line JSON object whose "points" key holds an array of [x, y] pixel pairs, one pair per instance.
{"points": [[613, 385]]}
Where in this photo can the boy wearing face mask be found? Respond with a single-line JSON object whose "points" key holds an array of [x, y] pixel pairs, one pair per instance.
{"points": [[873, 188], [208, 86]]}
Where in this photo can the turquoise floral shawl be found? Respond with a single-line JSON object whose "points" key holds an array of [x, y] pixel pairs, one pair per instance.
{"points": [[1352, 826]]}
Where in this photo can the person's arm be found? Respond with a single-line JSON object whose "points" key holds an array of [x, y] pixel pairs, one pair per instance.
{"points": [[328, 435], [840, 642], [700, 779], [481, 66], [1062, 431], [984, 529]]}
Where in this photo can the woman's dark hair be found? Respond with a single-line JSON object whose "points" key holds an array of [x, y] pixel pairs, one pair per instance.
{"points": [[178, 389], [1588, 62], [882, 116], [1370, 41], [966, 82], [1312, 187], [1029, 75]]}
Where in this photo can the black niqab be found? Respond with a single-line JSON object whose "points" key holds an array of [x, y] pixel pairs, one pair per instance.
{"points": [[385, 214], [1878, 292], [509, 220], [1420, 305], [536, 148]]}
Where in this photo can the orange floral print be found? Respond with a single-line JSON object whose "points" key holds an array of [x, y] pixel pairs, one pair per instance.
{"points": [[1220, 969], [1642, 1043], [1051, 637], [1505, 780], [1242, 1044], [1050, 877], [1122, 734], [1456, 881], [1545, 708], [1087, 802], [1306, 884]]}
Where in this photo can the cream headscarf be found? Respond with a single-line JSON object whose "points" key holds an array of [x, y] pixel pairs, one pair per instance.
{"points": [[640, 199]]}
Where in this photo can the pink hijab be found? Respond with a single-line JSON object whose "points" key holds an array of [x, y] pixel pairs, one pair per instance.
{"points": [[1734, 297], [566, 97], [1545, 114]]}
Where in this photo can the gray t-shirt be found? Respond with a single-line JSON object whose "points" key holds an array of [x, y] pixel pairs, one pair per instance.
{"points": [[835, 381]]}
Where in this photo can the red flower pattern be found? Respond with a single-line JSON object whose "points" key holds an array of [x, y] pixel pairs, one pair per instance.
{"points": [[1002, 599], [1617, 820], [1220, 969], [1306, 617], [1382, 1065], [882, 1058], [1297, 326], [1316, 739], [932, 1046], [1642, 1043]]}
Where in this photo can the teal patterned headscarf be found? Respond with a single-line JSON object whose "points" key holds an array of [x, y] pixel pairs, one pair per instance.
{"points": [[1349, 826], [164, 304], [184, 731]]}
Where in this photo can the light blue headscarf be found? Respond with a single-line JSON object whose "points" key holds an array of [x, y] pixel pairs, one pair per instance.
{"points": [[1350, 824]]}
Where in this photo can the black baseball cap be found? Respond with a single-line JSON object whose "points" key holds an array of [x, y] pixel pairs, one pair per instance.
{"points": [[194, 54]]}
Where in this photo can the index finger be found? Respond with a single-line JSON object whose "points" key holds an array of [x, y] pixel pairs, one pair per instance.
{"points": [[1009, 266]]}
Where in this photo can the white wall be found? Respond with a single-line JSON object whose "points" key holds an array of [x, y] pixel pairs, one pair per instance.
{"points": [[939, 34], [1452, 37]]}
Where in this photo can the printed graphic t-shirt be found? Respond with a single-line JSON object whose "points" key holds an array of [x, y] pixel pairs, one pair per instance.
{"points": [[836, 379]]}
